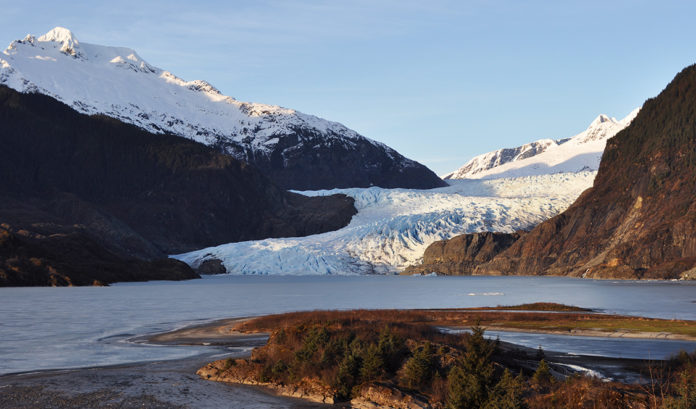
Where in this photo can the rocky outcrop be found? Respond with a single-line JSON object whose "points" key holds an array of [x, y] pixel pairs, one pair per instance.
{"points": [[374, 396], [136, 195], [211, 267], [639, 218], [370, 396], [461, 254], [74, 257], [241, 371]]}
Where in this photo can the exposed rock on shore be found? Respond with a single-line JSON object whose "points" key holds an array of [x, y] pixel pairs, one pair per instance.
{"points": [[73, 257], [461, 254], [374, 396], [211, 267], [240, 371]]}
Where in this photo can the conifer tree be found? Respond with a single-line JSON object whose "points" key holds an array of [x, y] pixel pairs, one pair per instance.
{"points": [[418, 370], [373, 364], [542, 377], [507, 393], [470, 381]]}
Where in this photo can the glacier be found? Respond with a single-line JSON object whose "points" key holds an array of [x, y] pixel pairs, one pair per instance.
{"points": [[394, 226]]}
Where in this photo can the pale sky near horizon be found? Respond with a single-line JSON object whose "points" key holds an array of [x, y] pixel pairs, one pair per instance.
{"points": [[440, 81]]}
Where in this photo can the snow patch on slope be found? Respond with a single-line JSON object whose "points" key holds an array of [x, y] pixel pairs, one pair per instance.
{"points": [[394, 226], [579, 153], [117, 82]]}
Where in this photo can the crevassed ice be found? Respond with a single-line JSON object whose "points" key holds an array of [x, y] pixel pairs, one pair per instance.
{"points": [[394, 226]]}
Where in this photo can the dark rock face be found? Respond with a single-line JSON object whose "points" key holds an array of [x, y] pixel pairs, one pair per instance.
{"points": [[461, 254], [73, 257], [639, 218], [309, 160], [211, 266], [136, 194]]}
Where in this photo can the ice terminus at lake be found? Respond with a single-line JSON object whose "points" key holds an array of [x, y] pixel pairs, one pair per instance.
{"points": [[394, 226]]}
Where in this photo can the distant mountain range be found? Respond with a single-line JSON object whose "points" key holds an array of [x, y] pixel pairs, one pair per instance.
{"points": [[295, 150], [581, 152]]}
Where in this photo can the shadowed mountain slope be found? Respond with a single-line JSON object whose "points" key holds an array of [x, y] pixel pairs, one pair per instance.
{"points": [[136, 194]]}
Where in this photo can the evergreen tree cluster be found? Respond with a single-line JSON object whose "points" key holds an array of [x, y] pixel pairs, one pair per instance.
{"points": [[473, 384], [346, 357]]}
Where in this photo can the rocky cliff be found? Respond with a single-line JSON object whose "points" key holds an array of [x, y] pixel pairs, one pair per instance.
{"points": [[639, 218], [461, 254], [136, 195]]}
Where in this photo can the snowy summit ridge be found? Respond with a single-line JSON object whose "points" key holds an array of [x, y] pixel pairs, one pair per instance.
{"points": [[61, 35], [581, 152], [116, 81], [38, 66]]}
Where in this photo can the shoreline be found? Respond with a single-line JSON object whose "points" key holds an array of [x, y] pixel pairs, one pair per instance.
{"points": [[595, 333], [174, 383], [214, 333], [157, 384]]}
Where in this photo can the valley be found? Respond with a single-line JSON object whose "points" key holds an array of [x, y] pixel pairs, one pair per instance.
{"points": [[166, 245], [394, 226]]}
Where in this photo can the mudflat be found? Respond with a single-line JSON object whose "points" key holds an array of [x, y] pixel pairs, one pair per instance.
{"points": [[156, 384]]}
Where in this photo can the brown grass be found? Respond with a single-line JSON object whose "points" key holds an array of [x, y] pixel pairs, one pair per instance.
{"points": [[567, 320]]}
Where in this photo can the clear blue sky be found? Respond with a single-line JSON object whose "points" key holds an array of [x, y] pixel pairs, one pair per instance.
{"points": [[440, 81]]}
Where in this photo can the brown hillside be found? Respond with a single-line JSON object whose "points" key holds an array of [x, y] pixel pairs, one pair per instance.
{"points": [[639, 218], [461, 254]]}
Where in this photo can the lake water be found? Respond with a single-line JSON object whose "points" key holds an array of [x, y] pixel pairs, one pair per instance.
{"points": [[43, 328]]}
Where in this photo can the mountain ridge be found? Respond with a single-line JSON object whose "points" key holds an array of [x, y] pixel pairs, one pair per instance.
{"points": [[578, 153], [296, 150]]}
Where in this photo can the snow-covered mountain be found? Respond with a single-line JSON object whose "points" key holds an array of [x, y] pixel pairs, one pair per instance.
{"points": [[394, 226], [296, 150], [578, 153]]}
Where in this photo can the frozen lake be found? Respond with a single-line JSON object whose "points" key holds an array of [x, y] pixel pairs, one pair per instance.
{"points": [[42, 328]]}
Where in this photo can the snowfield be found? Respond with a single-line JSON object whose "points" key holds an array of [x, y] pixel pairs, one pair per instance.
{"points": [[116, 81], [394, 226], [581, 152]]}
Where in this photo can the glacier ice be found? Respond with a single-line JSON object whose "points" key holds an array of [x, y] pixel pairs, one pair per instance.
{"points": [[394, 226]]}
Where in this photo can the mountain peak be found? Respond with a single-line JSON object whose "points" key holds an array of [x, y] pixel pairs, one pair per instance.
{"points": [[577, 153], [115, 81], [602, 119], [63, 36]]}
